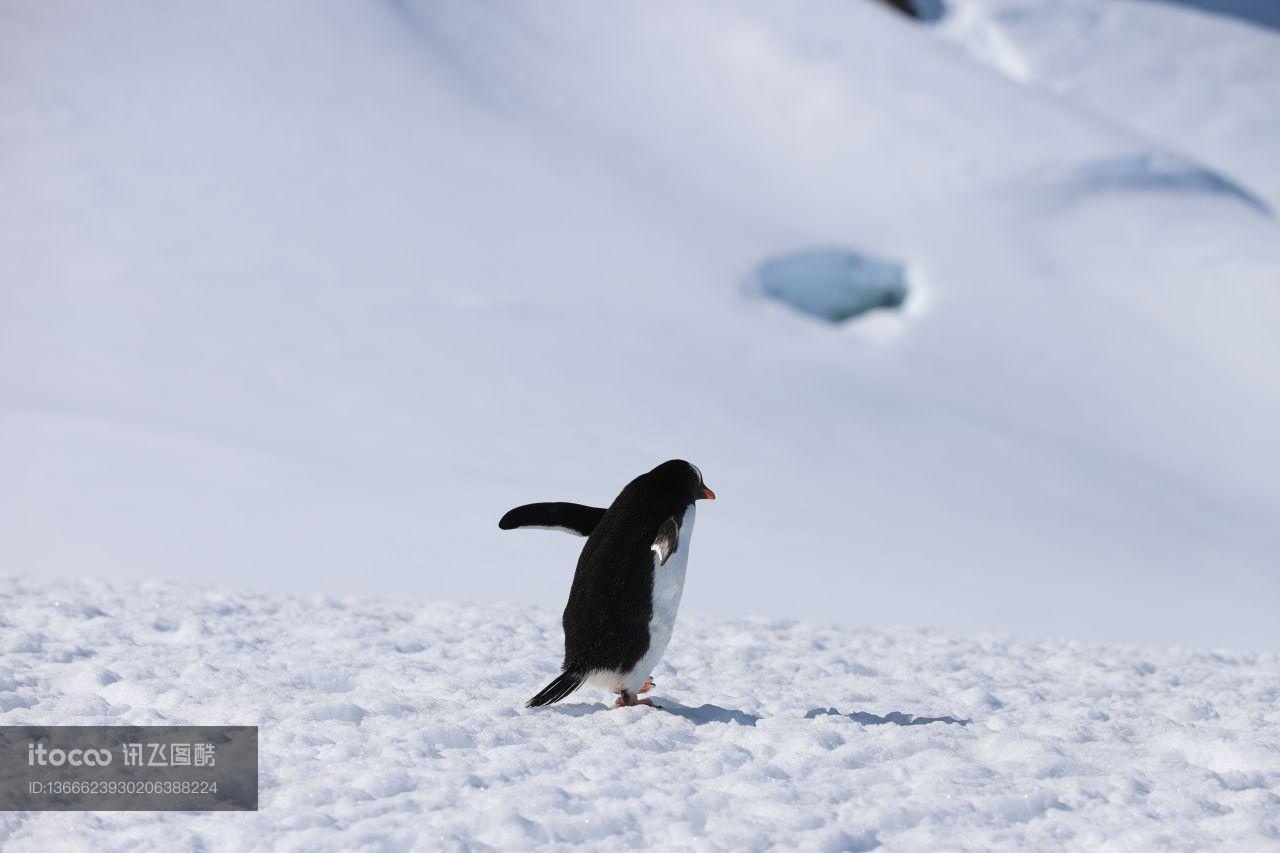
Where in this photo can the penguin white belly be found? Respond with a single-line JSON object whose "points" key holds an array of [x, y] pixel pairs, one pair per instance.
{"points": [[668, 586]]}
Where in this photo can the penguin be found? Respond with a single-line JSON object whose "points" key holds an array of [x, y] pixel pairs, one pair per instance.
{"points": [[627, 586]]}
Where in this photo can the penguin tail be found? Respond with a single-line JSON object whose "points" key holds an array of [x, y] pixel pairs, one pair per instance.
{"points": [[564, 684]]}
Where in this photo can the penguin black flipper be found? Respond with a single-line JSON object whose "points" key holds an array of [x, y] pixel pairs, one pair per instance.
{"points": [[564, 684], [571, 518], [668, 540]]}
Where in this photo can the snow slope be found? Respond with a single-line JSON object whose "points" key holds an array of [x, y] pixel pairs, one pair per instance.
{"points": [[303, 297], [386, 724], [1199, 82]]}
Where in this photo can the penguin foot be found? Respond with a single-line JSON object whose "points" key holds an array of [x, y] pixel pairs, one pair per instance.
{"points": [[648, 685], [628, 700]]}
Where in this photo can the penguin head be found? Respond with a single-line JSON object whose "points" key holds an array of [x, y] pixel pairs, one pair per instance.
{"points": [[684, 479]]}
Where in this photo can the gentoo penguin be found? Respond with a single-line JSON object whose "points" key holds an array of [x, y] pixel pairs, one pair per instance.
{"points": [[627, 587]]}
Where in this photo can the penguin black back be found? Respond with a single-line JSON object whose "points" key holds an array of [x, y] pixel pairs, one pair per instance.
{"points": [[610, 626], [606, 619]]}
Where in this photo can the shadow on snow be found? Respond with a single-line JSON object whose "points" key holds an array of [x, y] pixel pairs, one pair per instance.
{"points": [[704, 714], [896, 717], [698, 716], [708, 714]]}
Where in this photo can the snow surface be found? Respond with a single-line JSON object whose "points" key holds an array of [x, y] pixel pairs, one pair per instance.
{"points": [[304, 296], [1198, 75], [389, 723]]}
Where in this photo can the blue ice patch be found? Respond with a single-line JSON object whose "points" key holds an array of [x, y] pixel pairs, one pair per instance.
{"points": [[834, 284]]}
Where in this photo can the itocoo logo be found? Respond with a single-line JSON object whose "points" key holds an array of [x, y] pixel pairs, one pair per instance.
{"points": [[38, 754]]}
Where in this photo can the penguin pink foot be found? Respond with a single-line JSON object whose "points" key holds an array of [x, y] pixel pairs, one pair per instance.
{"points": [[648, 685], [628, 700]]}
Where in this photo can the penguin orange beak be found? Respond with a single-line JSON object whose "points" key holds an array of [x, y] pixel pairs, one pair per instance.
{"points": [[708, 494]]}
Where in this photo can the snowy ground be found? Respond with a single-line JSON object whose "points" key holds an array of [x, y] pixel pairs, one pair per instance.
{"points": [[386, 724]]}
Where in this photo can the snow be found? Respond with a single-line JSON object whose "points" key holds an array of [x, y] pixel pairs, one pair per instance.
{"points": [[302, 298], [1190, 73], [297, 299], [833, 284], [390, 723]]}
